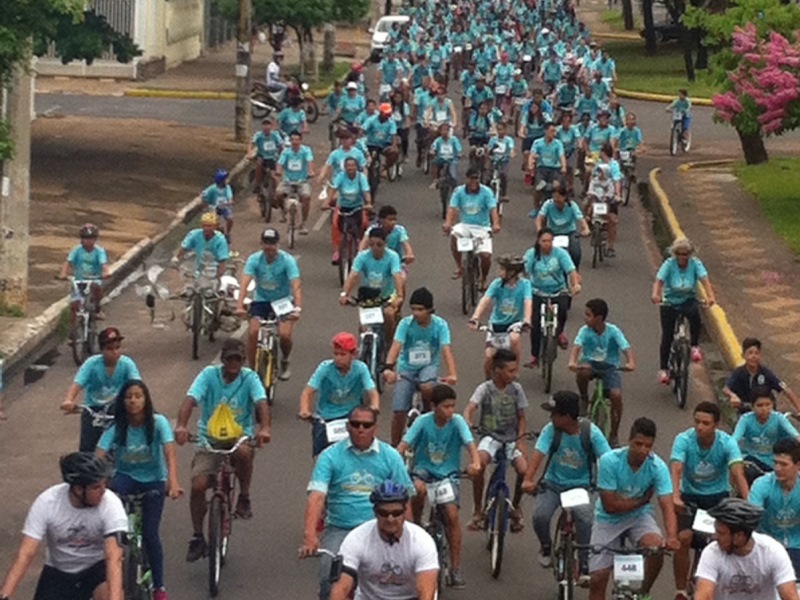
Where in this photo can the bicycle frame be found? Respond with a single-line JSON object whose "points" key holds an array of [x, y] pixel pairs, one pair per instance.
{"points": [[266, 352], [565, 565], [135, 555]]}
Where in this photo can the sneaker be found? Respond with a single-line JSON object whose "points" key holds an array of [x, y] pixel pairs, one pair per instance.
{"points": [[584, 579], [303, 229], [457, 579], [545, 559], [696, 354], [532, 363], [563, 342], [335, 257], [243, 510], [197, 549], [285, 373], [663, 377], [611, 253], [434, 185], [160, 594]]}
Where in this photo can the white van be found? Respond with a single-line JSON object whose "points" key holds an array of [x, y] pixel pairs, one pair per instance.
{"points": [[380, 33]]}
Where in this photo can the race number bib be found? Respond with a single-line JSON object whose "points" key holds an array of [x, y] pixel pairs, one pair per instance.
{"points": [[370, 316], [629, 569], [703, 522], [283, 306], [336, 430], [420, 357], [294, 164], [441, 492], [464, 244], [600, 209]]}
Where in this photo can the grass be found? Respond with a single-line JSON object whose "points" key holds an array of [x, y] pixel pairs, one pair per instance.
{"points": [[11, 311], [776, 186], [340, 69], [660, 74], [613, 18]]}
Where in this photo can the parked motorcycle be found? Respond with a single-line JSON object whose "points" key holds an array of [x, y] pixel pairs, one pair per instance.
{"points": [[263, 102]]}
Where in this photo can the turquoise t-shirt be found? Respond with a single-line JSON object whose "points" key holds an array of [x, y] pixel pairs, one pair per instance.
{"points": [[449, 149], [509, 302], [500, 148], [295, 164], [422, 346], [268, 147], [216, 196], [781, 517], [598, 136], [548, 273], [379, 133], [586, 105], [347, 477], [209, 390], [569, 466], [569, 138], [137, 459], [680, 285], [350, 192], [502, 76], [606, 348], [548, 154], [629, 138], [351, 107], [378, 273], [338, 393], [614, 474], [756, 440], [474, 209], [87, 265], [290, 120], [337, 158], [394, 239], [562, 221], [206, 250], [437, 450], [705, 471], [272, 279], [99, 388]]}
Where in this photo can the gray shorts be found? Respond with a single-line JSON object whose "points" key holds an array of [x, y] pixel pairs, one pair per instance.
{"points": [[425, 477], [404, 389], [304, 189], [206, 464], [613, 535]]}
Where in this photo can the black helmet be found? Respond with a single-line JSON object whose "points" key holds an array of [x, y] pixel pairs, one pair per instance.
{"points": [[737, 514], [84, 468], [89, 230], [388, 492], [511, 262]]}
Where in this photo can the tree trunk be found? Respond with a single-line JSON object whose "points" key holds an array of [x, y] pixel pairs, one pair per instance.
{"points": [[328, 47], [627, 14], [753, 148], [688, 55], [649, 27], [702, 52]]}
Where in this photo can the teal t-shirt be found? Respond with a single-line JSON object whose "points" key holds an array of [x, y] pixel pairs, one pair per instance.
{"points": [[474, 209], [295, 164], [87, 265], [508, 302], [422, 346], [351, 107], [216, 196], [379, 133], [337, 158], [378, 273], [205, 250], [99, 388], [614, 474], [548, 273], [680, 285], [350, 192], [338, 393], [290, 120], [781, 517], [564, 220], [273, 279], [269, 146], [137, 459], [705, 471], [449, 149], [603, 348], [629, 138], [569, 466], [437, 450], [756, 440]]}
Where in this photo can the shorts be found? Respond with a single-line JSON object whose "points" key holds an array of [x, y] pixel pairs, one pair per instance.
{"points": [[304, 188], [269, 164], [526, 144], [612, 380], [612, 534], [205, 463], [490, 445], [406, 385], [225, 212], [262, 310], [704, 502], [425, 477], [465, 230], [686, 122], [794, 556], [58, 585], [495, 338]]}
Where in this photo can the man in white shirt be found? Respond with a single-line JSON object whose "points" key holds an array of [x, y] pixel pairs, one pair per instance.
{"points": [[741, 564], [274, 81]]}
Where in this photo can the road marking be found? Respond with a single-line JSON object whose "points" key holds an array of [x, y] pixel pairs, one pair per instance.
{"points": [[320, 222]]}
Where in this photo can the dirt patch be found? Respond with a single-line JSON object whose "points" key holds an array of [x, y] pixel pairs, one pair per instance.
{"points": [[128, 176]]}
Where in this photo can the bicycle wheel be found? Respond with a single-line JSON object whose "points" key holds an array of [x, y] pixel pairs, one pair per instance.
{"points": [[292, 225], [444, 196], [557, 552], [674, 138], [197, 324], [476, 281], [466, 284], [600, 411], [497, 199], [687, 141], [567, 584], [215, 545], [681, 372], [426, 162], [498, 521], [626, 193], [131, 567], [549, 356], [79, 353], [597, 244], [366, 355], [377, 362], [312, 110]]}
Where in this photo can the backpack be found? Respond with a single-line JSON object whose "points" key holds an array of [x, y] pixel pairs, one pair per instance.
{"points": [[586, 444]]}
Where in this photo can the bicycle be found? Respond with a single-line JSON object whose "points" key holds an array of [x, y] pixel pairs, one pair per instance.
{"points": [[599, 232], [704, 532], [446, 183], [291, 205], [137, 576], [101, 417], [565, 547], [548, 324], [498, 504], [201, 312], [374, 171], [628, 160], [83, 335], [628, 570], [679, 360], [470, 265], [495, 183], [372, 343], [350, 224], [678, 136], [599, 401]]}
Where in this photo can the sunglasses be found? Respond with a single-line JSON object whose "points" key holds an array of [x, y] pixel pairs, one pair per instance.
{"points": [[233, 358], [361, 424], [382, 512], [681, 254]]}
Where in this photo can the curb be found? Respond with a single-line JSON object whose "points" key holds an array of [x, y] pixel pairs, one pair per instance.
{"points": [[622, 37], [201, 94], [658, 97], [703, 164], [717, 320], [44, 327]]}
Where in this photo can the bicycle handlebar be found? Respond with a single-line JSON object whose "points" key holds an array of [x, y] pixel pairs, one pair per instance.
{"points": [[528, 435], [517, 327], [245, 439]]}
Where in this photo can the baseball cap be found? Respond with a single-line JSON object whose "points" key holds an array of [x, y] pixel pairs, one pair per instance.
{"points": [[232, 347], [345, 341], [564, 403], [270, 236], [352, 85], [109, 334]]}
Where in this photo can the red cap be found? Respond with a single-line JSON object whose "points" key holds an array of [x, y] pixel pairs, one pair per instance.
{"points": [[345, 341]]}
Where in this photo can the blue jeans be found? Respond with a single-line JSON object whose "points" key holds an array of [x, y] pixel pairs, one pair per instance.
{"points": [[547, 503], [152, 507], [794, 556], [332, 539]]}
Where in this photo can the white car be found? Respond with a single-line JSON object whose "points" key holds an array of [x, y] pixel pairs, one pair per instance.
{"points": [[380, 33]]}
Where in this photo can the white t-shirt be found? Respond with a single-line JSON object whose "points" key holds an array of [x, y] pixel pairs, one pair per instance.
{"points": [[273, 72], [752, 577], [75, 537], [388, 572]]}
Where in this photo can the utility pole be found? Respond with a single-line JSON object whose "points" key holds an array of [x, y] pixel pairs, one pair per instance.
{"points": [[15, 196], [242, 124]]}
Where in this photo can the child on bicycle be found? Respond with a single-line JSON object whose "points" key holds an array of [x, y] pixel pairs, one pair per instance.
{"points": [[143, 451], [500, 403], [682, 106], [219, 197]]}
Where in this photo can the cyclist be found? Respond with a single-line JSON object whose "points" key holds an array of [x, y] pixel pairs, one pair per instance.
{"points": [[704, 461], [81, 526], [550, 72], [351, 105], [388, 541], [265, 147], [350, 194], [423, 97], [752, 373], [100, 377], [401, 115], [629, 138], [436, 439], [396, 236], [563, 216], [682, 107], [420, 343], [531, 128], [479, 93], [600, 89], [207, 243], [347, 149], [341, 384], [596, 353], [502, 75], [276, 277], [501, 150], [569, 448], [381, 133], [219, 198], [479, 131], [547, 159], [296, 166], [474, 204], [388, 73], [240, 389], [500, 403], [446, 150], [441, 110], [599, 134], [779, 495], [87, 261], [509, 295], [569, 135], [759, 430], [340, 487], [333, 99], [675, 290], [567, 94], [143, 450], [627, 479], [742, 563], [551, 273], [379, 270], [617, 112], [293, 117]]}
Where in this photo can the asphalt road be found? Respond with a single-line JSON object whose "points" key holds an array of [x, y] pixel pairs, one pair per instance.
{"points": [[262, 561]]}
